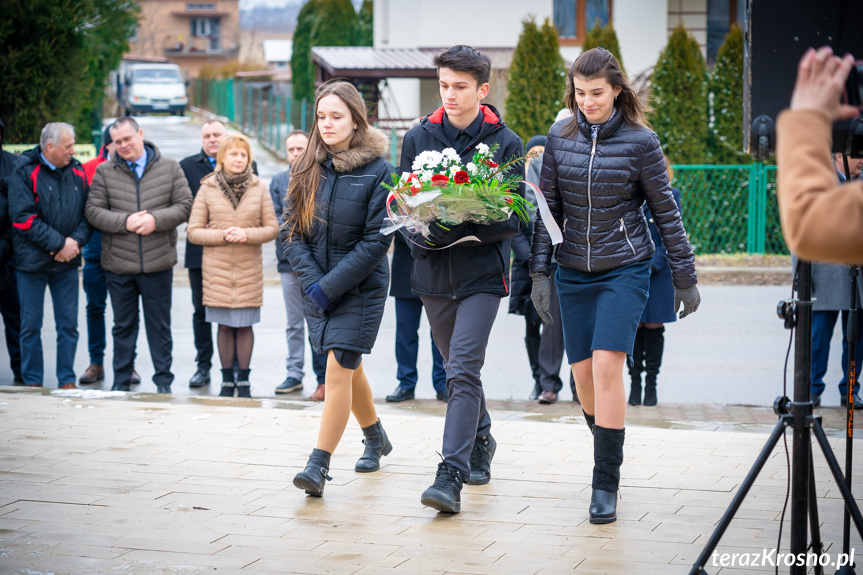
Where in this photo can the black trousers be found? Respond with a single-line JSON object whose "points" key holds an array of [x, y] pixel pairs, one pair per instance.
{"points": [[154, 291], [461, 328], [203, 331], [10, 308]]}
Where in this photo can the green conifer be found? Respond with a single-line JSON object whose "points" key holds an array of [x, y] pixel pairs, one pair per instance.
{"points": [[605, 37], [537, 79], [678, 99], [319, 23], [365, 25], [726, 88]]}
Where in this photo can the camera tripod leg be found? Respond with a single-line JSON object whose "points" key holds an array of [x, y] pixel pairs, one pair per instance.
{"points": [[748, 482], [817, 546], [850, 504]]}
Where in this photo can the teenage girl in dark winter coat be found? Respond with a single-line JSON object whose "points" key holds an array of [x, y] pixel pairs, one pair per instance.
{"points": [[334, 210], [598, 170]]}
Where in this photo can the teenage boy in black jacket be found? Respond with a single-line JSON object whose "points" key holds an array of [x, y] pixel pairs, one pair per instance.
{"points": [[461, 286]]}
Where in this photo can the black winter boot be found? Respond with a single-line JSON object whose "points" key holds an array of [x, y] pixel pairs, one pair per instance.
{"points": [[591, 421], [654, 343], [244, 387], [636, 368], [607, 459], [228, 384], [314, 477], [480, 460], [377, 444], [445, 494]]}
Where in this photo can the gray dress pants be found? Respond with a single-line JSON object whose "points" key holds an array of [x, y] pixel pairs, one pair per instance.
{"points": [[461, 328]]}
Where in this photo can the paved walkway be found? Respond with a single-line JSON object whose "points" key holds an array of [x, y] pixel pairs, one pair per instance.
{"points": [[194, 486]]}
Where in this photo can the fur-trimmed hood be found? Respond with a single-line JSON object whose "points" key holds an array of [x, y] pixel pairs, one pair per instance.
{"points": [[373, 147]]}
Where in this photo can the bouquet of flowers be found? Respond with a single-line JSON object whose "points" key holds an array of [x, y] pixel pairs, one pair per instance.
{"points": [[441, 188]]}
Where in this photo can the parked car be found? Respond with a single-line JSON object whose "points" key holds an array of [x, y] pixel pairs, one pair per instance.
{"points": [[155, 88]]}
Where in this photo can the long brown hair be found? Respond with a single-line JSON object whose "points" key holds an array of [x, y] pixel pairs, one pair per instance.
{"points": [[597, 63], [306, 171]]}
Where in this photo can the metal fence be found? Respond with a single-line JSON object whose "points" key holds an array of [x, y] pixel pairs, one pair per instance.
{"points": [[730, 209], [726, 208]]}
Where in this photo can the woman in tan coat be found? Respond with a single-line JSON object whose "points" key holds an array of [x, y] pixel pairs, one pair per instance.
{"points": [[231, 217]]}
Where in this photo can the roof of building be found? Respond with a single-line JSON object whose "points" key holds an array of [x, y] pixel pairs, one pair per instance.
{"points": [[369, 62], [278, 50]]}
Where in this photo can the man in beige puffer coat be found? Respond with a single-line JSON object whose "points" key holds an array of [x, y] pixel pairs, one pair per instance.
{"points": [[137, 200]]}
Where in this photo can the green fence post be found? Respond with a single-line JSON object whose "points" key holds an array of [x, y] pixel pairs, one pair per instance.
{"points": [[270, 111], [393, 142], [752, 208], [250, 93], [289, 123], [231, 114], [760, 242], [260, 111], [303, 115]]}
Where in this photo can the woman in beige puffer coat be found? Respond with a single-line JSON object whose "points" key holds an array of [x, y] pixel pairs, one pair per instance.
{"points": [[231, 217]]}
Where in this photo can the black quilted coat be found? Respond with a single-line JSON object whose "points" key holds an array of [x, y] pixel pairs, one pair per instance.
{"points": [[596, 188], [345, 250]]}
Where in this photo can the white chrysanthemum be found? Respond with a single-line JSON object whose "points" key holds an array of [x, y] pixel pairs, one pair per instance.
{"points": [[482, 148], [471, 168], [425, 175], [453, 170], [451, 155]]}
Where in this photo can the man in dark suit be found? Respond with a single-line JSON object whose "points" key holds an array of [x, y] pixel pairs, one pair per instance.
{"points": [[213, 133], [9, 307]]}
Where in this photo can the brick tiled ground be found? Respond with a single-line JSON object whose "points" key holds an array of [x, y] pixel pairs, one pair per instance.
{"points": [[190, 486]]}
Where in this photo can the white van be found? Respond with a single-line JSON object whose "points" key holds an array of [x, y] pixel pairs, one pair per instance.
{"points": [[154, 88]]}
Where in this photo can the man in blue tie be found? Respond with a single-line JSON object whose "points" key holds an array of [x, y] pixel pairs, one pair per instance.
{"points": [[137, 200]]}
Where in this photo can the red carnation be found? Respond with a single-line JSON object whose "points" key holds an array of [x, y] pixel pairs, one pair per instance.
{"points": [[414, 183], [439, 180], [490, 164], [461, 177]]}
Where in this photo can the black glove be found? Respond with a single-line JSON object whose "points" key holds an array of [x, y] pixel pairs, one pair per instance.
{"points": [[689, 297], [442, 235], [540, 295]]}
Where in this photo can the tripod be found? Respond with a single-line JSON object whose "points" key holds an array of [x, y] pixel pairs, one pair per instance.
{"points": [[798, 416]]}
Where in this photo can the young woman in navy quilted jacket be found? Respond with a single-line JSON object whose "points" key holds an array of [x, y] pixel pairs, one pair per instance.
{"points": [[334, 210], [599, 168]]}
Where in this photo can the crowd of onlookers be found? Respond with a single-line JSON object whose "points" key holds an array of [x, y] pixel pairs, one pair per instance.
{"points": [[119, 213]]}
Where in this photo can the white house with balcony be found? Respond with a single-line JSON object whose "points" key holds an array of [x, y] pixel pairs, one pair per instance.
{"points": [[642, 28]]}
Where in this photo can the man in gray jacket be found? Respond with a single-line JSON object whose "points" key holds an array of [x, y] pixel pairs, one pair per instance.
{"points": [[137, 200]]}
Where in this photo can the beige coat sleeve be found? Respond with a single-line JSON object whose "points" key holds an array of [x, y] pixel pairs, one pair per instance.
{"points": [[197, 231], [269, 229], [821, 219]]}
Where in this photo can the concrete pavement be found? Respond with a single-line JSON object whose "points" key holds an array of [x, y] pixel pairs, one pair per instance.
{"points": [[175, 486]]}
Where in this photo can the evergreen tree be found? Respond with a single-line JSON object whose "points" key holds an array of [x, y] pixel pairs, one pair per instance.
{"points": [[537, 79], [678, 99], [365, 25], [726, 112], [302, 70], [319, 23], [56, 58], [605, 37]]}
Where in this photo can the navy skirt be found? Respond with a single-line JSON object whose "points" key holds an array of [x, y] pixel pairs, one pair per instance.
{"points": [[601, 310]]}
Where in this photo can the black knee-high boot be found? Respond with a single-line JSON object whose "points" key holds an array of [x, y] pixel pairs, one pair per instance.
{"points": [[654, 343], [607, 459], [636, 368], [377, 444], [244, 386], [314, 477], [228, 384]]}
